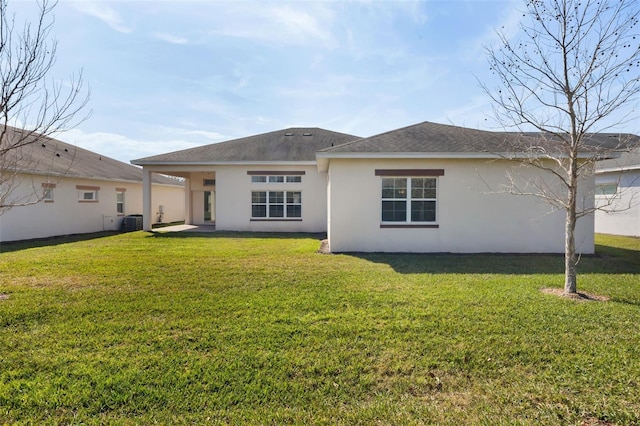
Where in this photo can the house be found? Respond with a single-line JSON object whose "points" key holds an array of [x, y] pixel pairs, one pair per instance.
{"points": [[618, 195], [423, 188], [66, 190]]}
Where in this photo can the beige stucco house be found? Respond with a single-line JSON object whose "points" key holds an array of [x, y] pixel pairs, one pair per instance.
{"points": [[66, 190], [268, 182], [424, 188]]}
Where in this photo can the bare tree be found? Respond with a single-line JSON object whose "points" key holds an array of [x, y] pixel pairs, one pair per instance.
{"points": [[33, 107], [571, 73]]}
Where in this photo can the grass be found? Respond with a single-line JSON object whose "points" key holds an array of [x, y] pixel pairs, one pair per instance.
{"points": [[221, 328]]}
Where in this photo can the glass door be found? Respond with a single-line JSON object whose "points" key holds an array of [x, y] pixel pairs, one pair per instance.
{"points": [[208, 205]]}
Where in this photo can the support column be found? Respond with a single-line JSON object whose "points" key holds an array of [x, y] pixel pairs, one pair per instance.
{"points": [[146, 199], [188, 218]]}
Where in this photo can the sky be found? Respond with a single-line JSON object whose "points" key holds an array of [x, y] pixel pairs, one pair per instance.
{"points": [[167, 75]]}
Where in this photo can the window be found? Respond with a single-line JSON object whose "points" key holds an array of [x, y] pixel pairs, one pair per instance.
{"points": [[208, 182], [409, 199], [276, 177], [276, 204], [294, 204], [47, 192], [120, 201], [87, 194], [607, 189], [259, 204]]}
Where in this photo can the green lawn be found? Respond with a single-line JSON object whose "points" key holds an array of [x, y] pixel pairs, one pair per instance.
{"points": [[243, 329]]}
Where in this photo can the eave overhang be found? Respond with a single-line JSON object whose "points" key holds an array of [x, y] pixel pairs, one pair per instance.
{"points": [[222, 163], [618, 169], [59, 176], [323, 158]]}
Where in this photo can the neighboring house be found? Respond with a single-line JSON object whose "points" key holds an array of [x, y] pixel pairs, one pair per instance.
{"points": [[618, 195], [424, 188], [80, 192]]}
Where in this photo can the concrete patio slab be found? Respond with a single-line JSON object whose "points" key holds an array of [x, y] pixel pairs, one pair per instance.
{"points": [[188, 228]]}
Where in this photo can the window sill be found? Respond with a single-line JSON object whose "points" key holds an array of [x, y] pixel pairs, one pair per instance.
{"points": [[276, 220], [87, 201], [408, 225]]}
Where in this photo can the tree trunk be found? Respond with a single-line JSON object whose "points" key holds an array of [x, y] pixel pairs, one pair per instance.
{"points": [[570, 272]]}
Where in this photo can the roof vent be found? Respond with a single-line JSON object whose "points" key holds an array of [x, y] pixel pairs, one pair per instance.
{"points": [[288, 134], [306, 134]]}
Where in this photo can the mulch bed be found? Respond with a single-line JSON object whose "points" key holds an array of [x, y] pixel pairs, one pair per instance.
{"points": [[580, 296]]}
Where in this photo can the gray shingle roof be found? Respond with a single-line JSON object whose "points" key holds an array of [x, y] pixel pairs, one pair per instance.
{"points": [[430, 137], [45, 155], [630, 160], [293, 144]]}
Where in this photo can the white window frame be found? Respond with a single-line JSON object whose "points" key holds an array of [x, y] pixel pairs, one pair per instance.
{"points": [[409, 174], [47, 195], [47, 192], [272, 199], [120, 205], [87, 194], [408, 200], [276, 179]]}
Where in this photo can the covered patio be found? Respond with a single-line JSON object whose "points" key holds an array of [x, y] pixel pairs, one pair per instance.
{"points": [[199, 194]]}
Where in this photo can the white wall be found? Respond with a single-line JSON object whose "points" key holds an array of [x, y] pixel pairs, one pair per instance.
{"points": [[171, 197], [66, 215], [233, 199], [471, 216], [621, 214]]}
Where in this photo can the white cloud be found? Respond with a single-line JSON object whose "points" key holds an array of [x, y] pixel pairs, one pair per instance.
{"points": [[281, 24], [317, 88], [476, 113], [105, 13], [299, 24], [170, 38], [474, 50], [121, 147], [198, 133]]}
